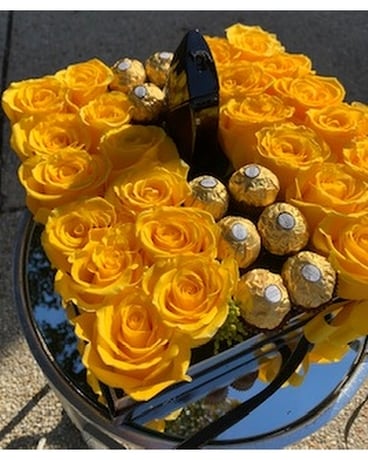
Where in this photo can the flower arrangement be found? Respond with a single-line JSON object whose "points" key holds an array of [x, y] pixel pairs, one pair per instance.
{"points": [[143, 261]]}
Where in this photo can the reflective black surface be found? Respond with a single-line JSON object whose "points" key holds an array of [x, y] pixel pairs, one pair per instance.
{"points": [[192, 94], [296, 411]]}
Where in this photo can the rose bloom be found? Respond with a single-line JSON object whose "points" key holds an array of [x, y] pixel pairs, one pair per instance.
{"points": [[287, 65], [287, 148], [327, 188], [254, 42], [239, 120], [332, 339], [222, 51], [344, 240], [69, 227], [338, 124], [129, 347], [355, 157], [85, 81], [47, 135], [243, 80], [309, 92], [108, 263], [137, 144], [192, 294], [169, 231], [108, 111], [36, 96], [57, 179], [149, 186]]}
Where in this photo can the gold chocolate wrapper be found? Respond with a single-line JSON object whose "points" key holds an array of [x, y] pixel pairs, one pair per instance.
{"points": [[262, 298], [245, 382], [157, 67], [210, 194], [239, 239], [216, 396], [128, 73], [148, 102], [254, 185], [283, 229], [309, 278]]}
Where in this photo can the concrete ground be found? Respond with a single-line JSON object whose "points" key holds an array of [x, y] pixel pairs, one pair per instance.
{"points": [[33, 44]]}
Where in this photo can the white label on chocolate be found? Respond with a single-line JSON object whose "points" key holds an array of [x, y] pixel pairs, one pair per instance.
{"points": [[311, 273], [272, 293], [124, 65], [140, 91], [208, 182], [165, 55], [251, 171], [286, 221], [239, 232]]}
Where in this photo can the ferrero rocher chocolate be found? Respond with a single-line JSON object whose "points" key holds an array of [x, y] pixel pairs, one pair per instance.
{"points": [[283, 229], [309, 278], [245, 382], [239, 239], [210, 194], [127, 74], [216, 396], [254, 185], [148, 102], [262, 298], [157, 67]]}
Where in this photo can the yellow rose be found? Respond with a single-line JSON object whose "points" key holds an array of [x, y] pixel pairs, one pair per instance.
{"points": [[37, 96], [344, 241], [338, 124], [287, 65], [68, 228], [102, 269], [85, 81], [148, 186], [355, 157], [56, 179], [34, 135], [239, 121], [192, 295], [169, 231], [287, 148], [254, 42], [309, 92], [243, 80], [333, 334], [108, 111], [137, 144], [129, 347], [222, 51], [327, 188]]}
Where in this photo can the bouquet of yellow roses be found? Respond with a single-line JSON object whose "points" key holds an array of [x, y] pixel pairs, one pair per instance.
{"points": [[136, 253]]}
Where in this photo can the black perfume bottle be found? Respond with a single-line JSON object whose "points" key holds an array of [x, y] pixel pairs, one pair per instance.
{"points": [[192, 95]]}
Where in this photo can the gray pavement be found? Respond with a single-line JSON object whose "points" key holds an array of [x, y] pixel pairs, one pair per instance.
{"points": [[36, 43]]}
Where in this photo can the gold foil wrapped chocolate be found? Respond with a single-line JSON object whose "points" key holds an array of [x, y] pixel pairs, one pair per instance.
{"points": [[210, 194], [157, 67], [262, 298], [245, 382], [309, 278], [254, 185], [217, 396], [283, 229], [239, 239], [148, 102], [128, 73]]}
